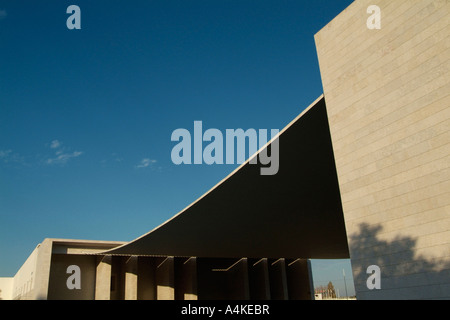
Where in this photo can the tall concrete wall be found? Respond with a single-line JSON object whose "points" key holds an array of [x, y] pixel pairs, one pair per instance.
{"points": [[387, 96]]}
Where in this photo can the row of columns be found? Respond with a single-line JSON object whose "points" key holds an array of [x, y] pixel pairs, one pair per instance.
{"points": [[174, 278]]}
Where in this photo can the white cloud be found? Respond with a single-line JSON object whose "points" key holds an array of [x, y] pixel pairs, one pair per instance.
{"points": [[64, 157], [55, 144], [145, 163], [8, 156]]}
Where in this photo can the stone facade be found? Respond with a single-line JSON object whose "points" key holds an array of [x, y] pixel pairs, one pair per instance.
{"points": [[387, 96]]}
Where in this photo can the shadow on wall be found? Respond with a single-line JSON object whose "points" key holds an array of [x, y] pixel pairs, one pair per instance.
{"points": [[405, 271]]}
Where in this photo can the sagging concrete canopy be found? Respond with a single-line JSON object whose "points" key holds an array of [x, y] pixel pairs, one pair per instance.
{"points": [[296, 213]]}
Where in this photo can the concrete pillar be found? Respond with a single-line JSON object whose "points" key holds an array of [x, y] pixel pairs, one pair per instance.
{"points": [[258, 272], [212, 280], [238, 281], [146, 278], [299, 280], [278, 281], [103, 278], [186, 278], [223, 278], [118, 277], [165, 279], [131, 278]]}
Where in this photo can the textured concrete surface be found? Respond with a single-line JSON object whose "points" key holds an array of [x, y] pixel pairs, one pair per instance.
{"points": [[387, 96]]}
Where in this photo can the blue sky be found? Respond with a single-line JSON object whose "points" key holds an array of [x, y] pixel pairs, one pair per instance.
{"points": [[86, 115]]}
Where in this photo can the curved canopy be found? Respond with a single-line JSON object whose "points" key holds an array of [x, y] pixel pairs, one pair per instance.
{"points": [[296, 213]]}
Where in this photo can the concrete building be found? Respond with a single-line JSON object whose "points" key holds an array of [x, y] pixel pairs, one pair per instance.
{"points": [[47, 275], [366, 164], [44, 273], [387, 95]]}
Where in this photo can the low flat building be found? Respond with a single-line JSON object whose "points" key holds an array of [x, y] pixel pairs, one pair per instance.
{"points": [[63, 269]]}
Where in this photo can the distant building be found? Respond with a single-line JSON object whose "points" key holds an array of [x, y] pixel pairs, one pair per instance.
{"points": [[366, 164]]}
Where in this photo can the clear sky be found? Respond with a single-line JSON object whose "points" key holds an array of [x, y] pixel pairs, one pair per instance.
{"points": [[86, 115]]}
